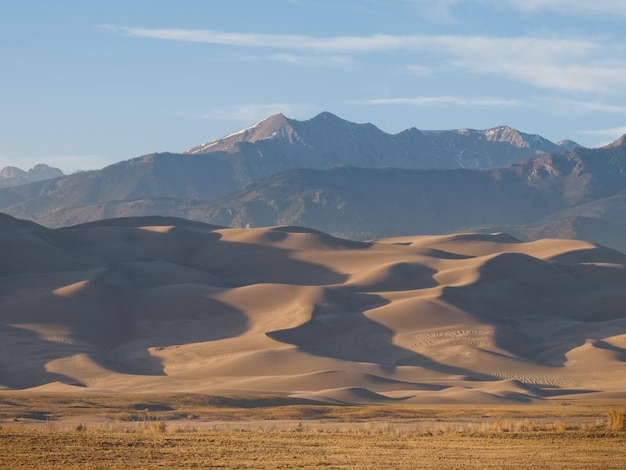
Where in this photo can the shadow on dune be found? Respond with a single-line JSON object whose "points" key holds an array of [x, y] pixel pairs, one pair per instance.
{"points": [[398, 276], [16, 374], [117, 326], [621, 352], [234, 263], [542, 310], [339, 329], [171, 321], [145, 289]]}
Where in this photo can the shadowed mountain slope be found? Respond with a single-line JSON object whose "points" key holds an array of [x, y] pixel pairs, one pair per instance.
{"points": [[369, 203], [272, 146], [578, 194]]}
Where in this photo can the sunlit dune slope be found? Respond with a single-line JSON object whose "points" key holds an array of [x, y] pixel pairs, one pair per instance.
{"points": [[164, 304]]}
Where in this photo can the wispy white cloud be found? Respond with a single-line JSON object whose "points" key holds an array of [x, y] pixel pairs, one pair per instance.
{"points": [[605, 108], [584, 106], [613, 132], [560, 105], [591, 77], [444, 9], [447, 100], [610, 7], [441, 11], [378, 42], [576, 65], [455, 45], [562, 64], [606, 136]]}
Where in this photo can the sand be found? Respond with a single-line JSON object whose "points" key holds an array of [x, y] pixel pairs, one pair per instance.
{"points": [[163, 304]]}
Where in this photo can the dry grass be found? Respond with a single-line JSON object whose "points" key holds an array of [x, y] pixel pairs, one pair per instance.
{"points": [[308, 448], [159, 426], [162, 406], [615, 420], [186, 431]]}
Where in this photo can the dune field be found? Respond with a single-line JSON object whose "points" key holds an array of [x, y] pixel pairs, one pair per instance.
{"points": [[159, 304]]}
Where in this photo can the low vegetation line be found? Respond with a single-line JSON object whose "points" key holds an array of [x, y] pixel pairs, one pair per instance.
{"points": [[265, 432], [162, 446]]}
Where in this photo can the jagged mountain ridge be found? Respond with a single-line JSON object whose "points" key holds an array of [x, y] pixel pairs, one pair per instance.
{"points": [[579, 194], [369, 203], [14, 176], [328, 137], [275, 145]]}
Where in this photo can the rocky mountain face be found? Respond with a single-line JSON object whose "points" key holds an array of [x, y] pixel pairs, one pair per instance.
{"points": [[13, 176], [356, 181], [327, 140], [370, 203], [270, 147], [579, 194]]}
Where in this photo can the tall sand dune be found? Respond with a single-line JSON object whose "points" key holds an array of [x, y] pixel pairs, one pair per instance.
{"points": [[164, 304]]}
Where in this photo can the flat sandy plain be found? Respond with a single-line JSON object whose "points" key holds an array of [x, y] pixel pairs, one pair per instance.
{"points": [[127, 307]]}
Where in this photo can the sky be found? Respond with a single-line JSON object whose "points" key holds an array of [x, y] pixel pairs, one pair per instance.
{"points": [[84, 84]]}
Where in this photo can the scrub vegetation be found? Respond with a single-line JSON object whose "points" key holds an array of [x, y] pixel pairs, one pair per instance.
{"points": [[196, 431]]}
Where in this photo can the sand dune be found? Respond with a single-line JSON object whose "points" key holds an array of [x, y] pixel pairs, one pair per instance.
{"points": [[164, 304]]}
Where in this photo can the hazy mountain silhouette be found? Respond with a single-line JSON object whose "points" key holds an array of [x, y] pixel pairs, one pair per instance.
{"points": [[13, 176], [270, 147], [283, 171]]}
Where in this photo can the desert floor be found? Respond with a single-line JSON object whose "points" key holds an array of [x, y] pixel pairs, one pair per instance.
{"points": [[199, 431]]}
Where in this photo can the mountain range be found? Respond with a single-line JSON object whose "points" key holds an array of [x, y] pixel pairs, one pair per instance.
{"points": [[356, 181], [13, 176], [279, 143]]}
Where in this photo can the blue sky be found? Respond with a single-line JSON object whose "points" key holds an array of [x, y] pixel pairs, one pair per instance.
{"points": [[84, 84]]}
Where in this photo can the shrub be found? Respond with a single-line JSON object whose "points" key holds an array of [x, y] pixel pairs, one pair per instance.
{"points": [[159, 426], [502, 425], [616, 421]]}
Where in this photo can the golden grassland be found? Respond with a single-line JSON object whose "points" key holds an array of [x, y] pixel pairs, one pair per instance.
{"points": [[198, 431], [45, 448]]}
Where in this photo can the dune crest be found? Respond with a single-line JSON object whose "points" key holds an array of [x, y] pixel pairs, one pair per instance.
{"points": [[163, 304]]}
